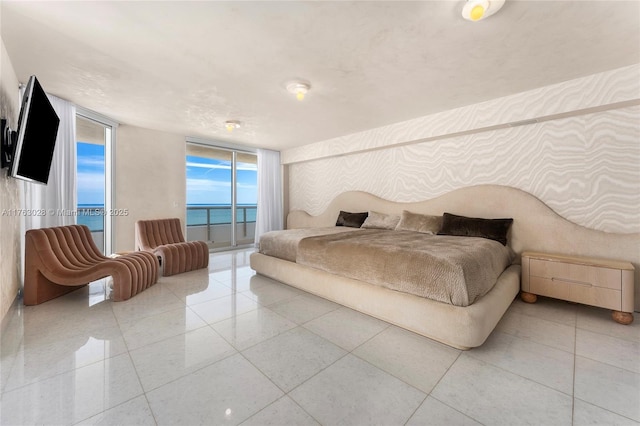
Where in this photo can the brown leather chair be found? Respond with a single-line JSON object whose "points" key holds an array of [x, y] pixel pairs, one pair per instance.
{"points": [[61, 259], [164, 238]]}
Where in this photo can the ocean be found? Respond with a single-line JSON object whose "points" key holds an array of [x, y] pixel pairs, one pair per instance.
{"points": [[92, 216], [219, 214]]}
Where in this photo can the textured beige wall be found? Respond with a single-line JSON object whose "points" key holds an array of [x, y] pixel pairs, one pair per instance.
{"points": [[592, 93], [150, 179], [9, 197], [586, 168], [582, 159]]}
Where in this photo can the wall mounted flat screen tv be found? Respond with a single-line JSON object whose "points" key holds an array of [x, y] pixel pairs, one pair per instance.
{"points": [[37, 131]]}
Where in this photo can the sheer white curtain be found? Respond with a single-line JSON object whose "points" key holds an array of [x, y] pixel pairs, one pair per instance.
{"points": [[59, 195], [270, 211]]}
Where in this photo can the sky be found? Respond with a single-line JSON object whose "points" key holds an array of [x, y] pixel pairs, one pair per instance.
{"points": [[208, 180], [90, 173]]}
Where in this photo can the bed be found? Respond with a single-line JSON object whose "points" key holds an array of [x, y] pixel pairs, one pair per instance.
{"points": [[454, 321]]}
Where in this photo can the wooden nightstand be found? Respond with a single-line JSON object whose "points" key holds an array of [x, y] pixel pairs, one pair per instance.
{"points": [[597, 282]]}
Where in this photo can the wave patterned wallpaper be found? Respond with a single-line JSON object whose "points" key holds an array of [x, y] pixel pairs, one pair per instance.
{"points": [[586, 168], [594, 91]]}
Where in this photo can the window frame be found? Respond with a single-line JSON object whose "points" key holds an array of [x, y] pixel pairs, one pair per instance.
{"points": [[111, 128], [234, 150]]}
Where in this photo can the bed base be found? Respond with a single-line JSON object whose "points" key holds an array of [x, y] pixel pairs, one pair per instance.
{"points": [[461, 327]]}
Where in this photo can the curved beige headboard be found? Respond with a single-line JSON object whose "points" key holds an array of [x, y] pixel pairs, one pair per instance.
{"points": [[535, 226]]}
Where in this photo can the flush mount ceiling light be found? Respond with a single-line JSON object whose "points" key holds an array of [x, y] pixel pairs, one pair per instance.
{"points": [[298, 88], [231, 125], [477, 10]]}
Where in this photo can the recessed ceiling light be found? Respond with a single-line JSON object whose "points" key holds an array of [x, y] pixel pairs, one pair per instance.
{"points": [[477, 10], [298, 88], [231, 125]]}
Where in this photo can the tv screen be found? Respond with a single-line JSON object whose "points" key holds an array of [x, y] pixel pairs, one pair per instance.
{"points": [[37, 132]]}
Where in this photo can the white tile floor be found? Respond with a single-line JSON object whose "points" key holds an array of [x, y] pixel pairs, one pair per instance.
{"points": [[224, 346]]}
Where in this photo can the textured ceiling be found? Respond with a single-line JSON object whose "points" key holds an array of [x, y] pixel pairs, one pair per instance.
{"points": [[186, 67]]}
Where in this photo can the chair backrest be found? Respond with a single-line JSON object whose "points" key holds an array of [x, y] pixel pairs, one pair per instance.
{"points": [[157, 232], [71, 245]]}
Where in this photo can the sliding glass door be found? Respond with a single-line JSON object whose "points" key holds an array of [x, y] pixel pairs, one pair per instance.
{"points": [[221, 196], [94, 146]]}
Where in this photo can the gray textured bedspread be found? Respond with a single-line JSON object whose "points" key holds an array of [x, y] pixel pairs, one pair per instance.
{"points": [[454, 270], [284, 244]]}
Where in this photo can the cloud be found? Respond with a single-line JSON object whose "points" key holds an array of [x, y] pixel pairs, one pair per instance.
{"points": [[91, 161], [241, 166], [90, 188], [197, 184], [88, 181], [247, 185], [208, 165], [247, 166]]}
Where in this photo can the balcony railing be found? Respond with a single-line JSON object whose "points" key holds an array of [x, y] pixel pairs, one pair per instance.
{"points": [[213, 217]]}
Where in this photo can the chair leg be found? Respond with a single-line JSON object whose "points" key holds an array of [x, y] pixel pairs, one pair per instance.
{"points": [[38, 289]]}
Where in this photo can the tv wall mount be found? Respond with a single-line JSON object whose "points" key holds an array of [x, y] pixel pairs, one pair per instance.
{"points": [[7, 144]]}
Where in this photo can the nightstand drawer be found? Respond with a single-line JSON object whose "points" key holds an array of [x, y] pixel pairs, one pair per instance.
{"points": [[606, 283], [576, 292], [583, 275]]}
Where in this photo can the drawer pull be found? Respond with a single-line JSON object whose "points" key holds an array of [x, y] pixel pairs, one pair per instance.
{"points": [[572, 281]]}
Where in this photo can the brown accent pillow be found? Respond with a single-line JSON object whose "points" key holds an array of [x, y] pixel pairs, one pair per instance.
{"points": [[353, 220], [462, 226], [423, 223], [381, 221]]}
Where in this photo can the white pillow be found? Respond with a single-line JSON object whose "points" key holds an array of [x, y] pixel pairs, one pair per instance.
{"points": [[381, 221], [424, 223]]}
